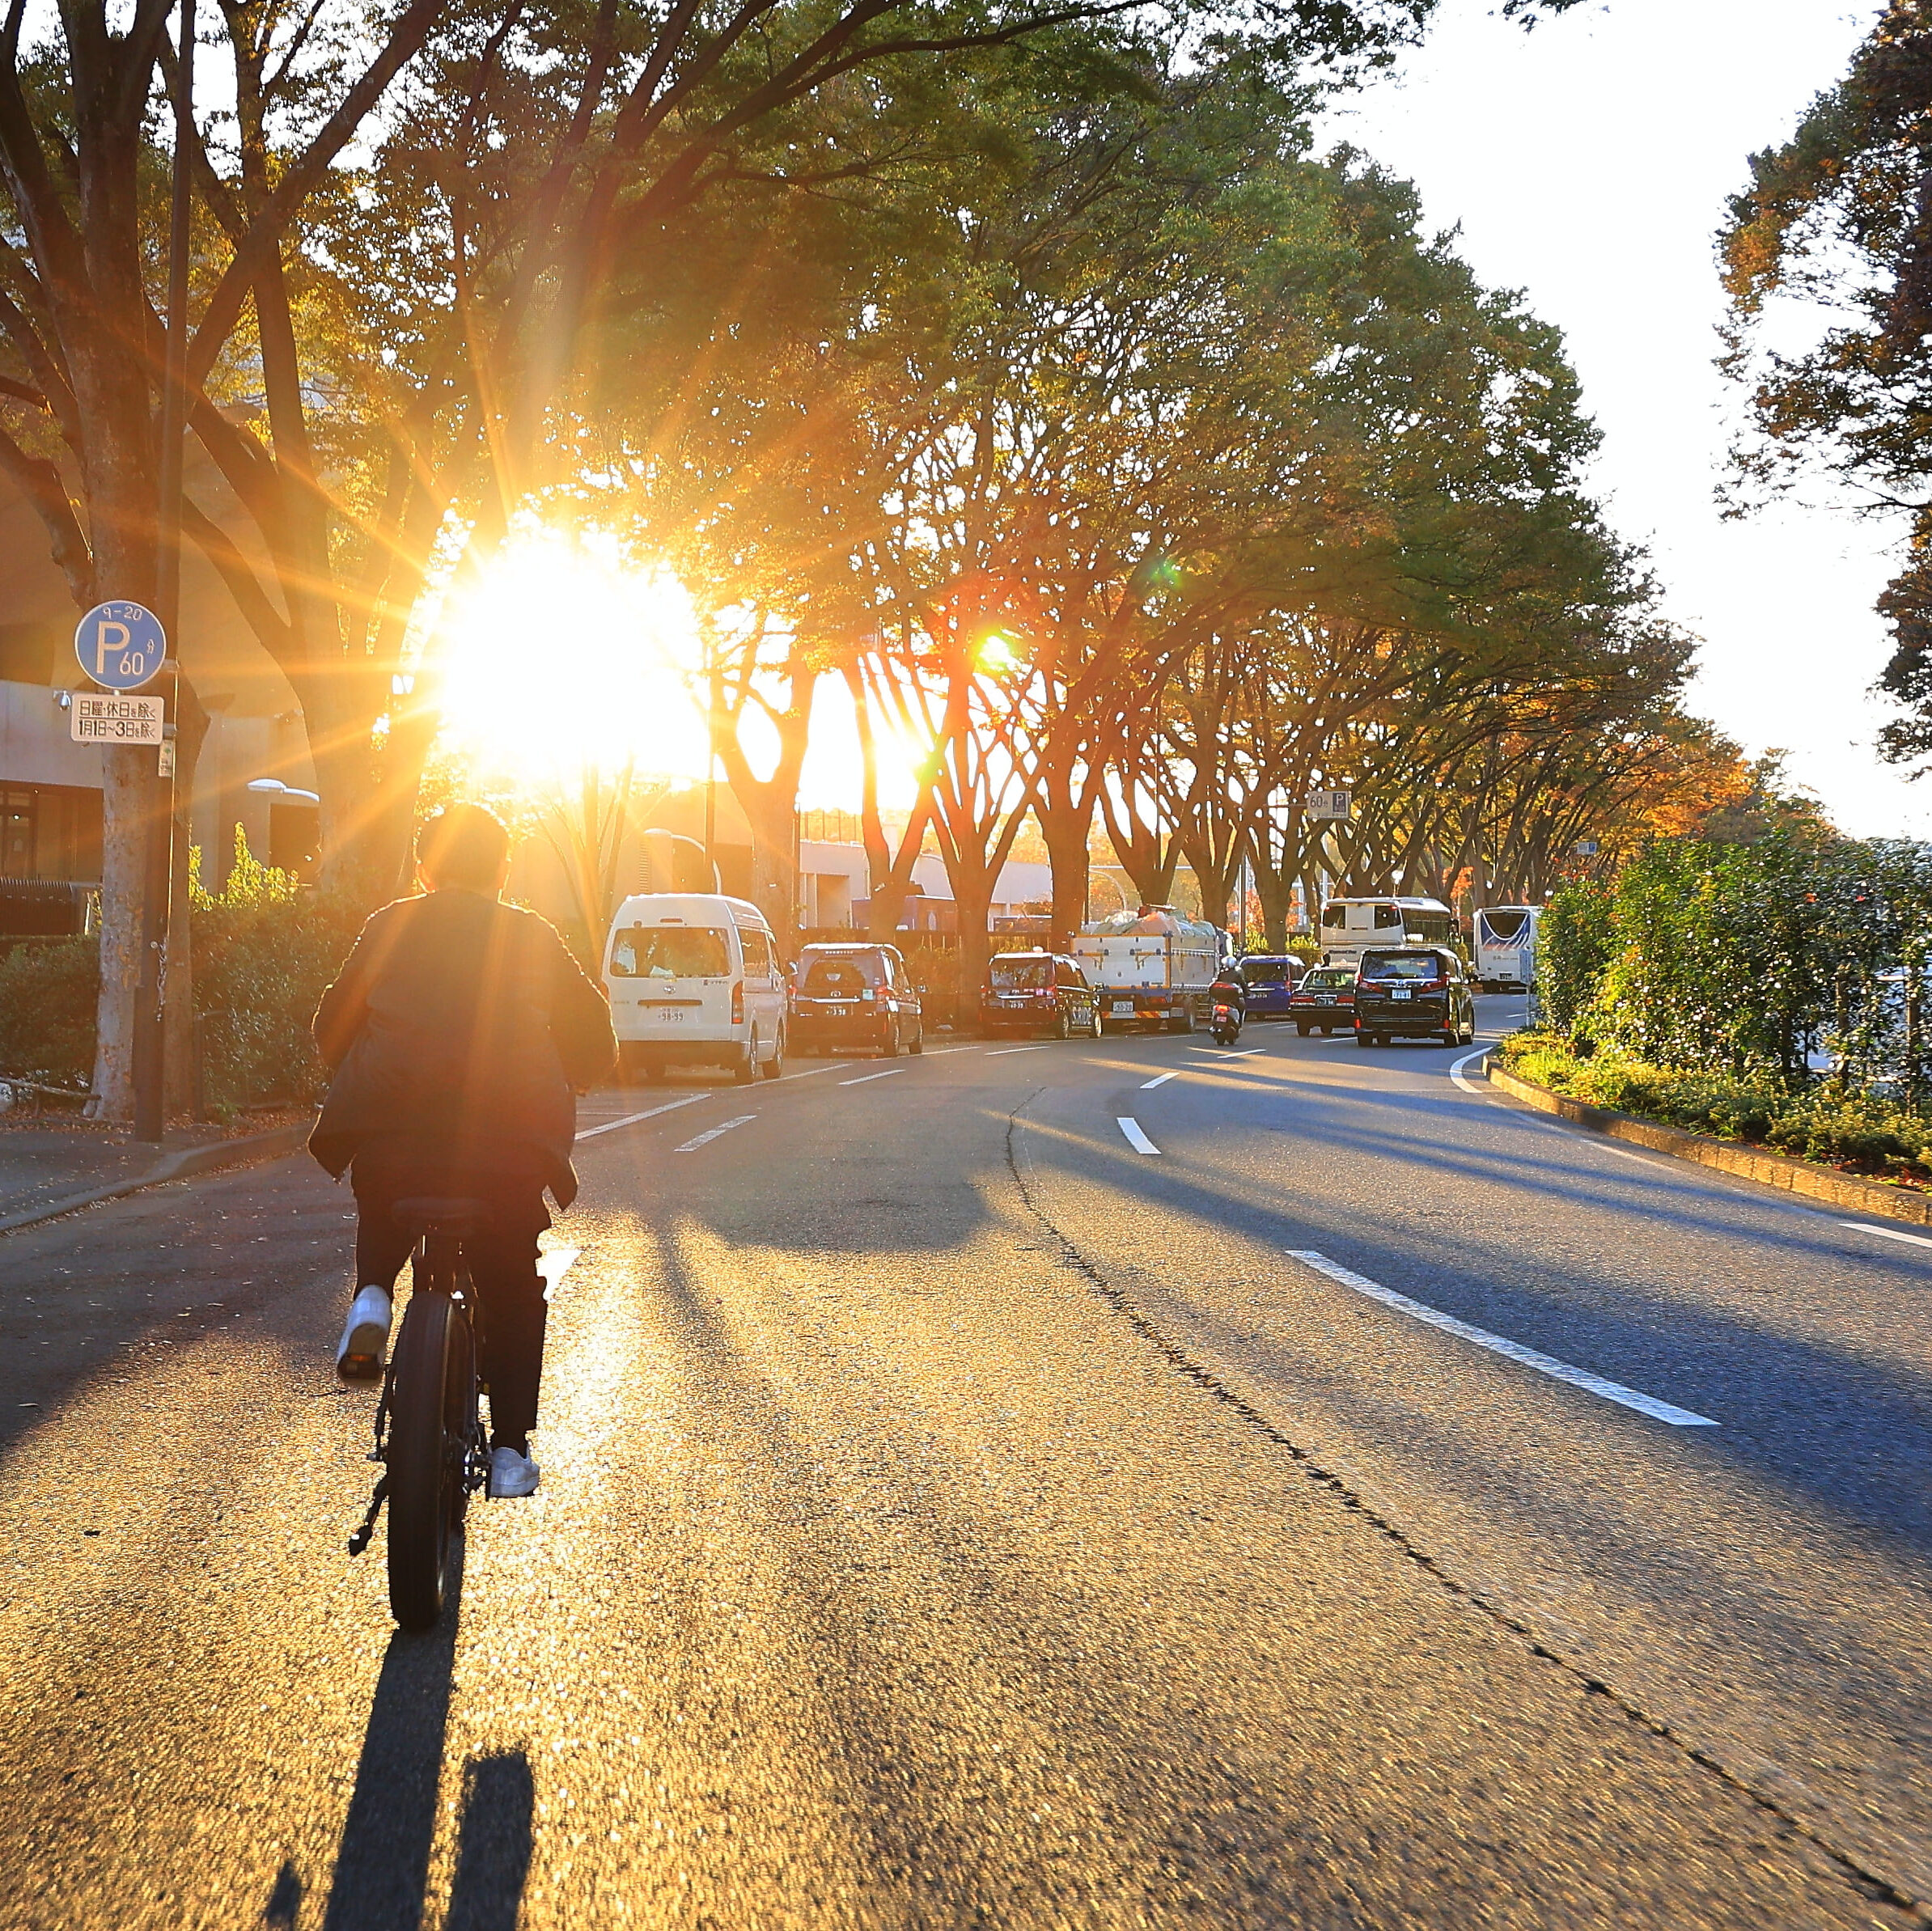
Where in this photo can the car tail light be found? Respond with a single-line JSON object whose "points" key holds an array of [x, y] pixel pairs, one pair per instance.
{"points": [[737, 1001]]}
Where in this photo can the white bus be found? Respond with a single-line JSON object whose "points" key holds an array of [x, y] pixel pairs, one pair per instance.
{"points": [[1505, 947], [1350, 926]]}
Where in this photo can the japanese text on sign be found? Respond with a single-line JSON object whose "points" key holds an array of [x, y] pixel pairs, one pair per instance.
{"points": [[97, 718]]}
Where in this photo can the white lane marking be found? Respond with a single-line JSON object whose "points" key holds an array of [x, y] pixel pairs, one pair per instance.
{"points": [[812, 1071], [670, 1105], [1005, 1050], [1147, 1085], [1455, 1070], [1137, 1139], [864, 1077], [1623, 1153], [553, 1264], [1496, 1344], [1221, 1053], [939, 1052], [1916, 1240], [692, 1146]]}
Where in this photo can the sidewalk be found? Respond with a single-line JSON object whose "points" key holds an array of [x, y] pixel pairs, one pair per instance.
{"points": [[47, 1164]]}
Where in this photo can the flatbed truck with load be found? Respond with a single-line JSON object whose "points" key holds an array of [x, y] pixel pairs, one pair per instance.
{"points": [[1150, 968]]}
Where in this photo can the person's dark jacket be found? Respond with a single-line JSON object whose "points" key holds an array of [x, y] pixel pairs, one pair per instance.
{"points": [[460, 1029]]}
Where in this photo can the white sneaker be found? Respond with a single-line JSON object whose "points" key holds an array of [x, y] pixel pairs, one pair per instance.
{"points": [[512, 1475], [359, 1353]]}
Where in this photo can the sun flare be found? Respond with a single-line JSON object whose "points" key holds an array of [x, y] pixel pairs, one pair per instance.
{"points": [[561, 658]]}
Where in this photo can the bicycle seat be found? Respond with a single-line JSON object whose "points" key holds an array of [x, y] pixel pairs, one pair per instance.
{"points": [[457, 1218]]}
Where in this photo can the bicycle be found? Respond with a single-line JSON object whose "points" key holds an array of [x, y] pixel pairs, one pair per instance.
{"points": [[429, 1434]]}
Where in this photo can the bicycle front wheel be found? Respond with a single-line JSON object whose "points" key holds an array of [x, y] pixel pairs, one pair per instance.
{"points": [[435, 1378]]}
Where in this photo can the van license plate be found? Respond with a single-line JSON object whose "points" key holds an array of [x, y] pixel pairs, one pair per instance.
{"points": [[670, 1016], [1401, 992], [1122, 1008]]}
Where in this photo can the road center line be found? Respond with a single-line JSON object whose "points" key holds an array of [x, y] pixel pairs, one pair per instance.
{"points": [[1137, 1139], [1147, 1085], [692, 1146], [1916, 1240], [1496, 1344], [1005, 1050], [670, 1105], [864, 1077]]}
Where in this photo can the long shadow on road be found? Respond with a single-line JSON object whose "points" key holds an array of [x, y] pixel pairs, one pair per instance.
{"points": [[381, 1868]]}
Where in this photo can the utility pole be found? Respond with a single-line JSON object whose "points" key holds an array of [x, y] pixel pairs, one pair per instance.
{"points": [[157, 889]]}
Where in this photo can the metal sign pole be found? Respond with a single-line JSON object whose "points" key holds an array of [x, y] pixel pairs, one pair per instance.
{"points": [[158, 874]]}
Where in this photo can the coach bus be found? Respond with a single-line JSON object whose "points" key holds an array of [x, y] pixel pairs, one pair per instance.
{"points": [[1505, 947]]}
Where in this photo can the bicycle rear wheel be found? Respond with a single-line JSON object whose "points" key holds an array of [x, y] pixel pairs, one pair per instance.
{"points": [[434, 1392]]}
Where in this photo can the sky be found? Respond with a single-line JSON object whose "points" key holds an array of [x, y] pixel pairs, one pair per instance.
{"points": [[1587, 163]]}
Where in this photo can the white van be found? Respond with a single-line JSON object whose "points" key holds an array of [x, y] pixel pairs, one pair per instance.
{"points": [[695, 979]]}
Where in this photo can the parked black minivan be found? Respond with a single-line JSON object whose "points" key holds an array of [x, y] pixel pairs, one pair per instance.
{"points": [[848, 997], [1413, 992]]}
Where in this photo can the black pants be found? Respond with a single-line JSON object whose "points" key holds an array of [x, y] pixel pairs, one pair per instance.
{"points": [[503, 1267]]}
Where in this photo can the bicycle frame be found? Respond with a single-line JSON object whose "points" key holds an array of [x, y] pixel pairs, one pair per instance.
{"points": [[429, 1436]]}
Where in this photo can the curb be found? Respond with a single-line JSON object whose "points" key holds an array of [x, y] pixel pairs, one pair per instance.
{"points": [[249, 1149], [1750, 1163]]}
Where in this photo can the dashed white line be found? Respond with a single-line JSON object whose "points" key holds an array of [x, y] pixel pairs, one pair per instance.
{"points": [[1137, 1139], [692, 1146], [1147, 1085], [670, 1105], [1859, 1226], [1005, 1050], [1221, 1053], [864, 1077], [1496, 1344]]}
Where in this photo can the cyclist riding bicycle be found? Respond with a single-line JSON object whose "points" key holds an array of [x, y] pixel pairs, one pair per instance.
{"points": [[458, 1034]]}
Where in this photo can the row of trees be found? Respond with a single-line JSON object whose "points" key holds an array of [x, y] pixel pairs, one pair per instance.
{"points": [[1019, 365], [1173, 475]]}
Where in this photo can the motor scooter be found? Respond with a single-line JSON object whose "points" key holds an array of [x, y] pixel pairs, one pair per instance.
{"points": [[1225, 1024]]}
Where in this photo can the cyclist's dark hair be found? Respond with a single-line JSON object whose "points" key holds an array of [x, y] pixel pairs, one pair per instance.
{"points": [[463, 844]]}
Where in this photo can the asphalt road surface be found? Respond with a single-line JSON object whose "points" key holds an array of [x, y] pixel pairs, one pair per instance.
{"points": [[1116, 1483]]}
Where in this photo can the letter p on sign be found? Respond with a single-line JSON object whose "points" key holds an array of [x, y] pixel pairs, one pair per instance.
{"points": [[111, 638]]}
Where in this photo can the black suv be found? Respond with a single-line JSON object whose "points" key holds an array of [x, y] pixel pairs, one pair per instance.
{"points": [[1411, 992], [1038, 991], [847, 998]]}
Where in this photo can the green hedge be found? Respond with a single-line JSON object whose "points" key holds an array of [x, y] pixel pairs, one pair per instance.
{"points": [[1742, 960], [1859, 1134], [48, 988], [265, 949]]}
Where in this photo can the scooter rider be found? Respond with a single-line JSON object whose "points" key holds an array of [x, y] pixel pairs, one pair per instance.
{"points": [[1229, 991]]}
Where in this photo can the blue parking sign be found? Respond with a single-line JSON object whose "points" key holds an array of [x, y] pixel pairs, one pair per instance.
{"points": [[119, 644]]}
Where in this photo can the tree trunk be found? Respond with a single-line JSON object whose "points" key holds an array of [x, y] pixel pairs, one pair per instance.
{"points": [[1065, 828]]}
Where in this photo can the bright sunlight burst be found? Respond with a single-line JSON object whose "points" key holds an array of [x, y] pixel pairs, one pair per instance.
{"points": [[561, 657]]}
